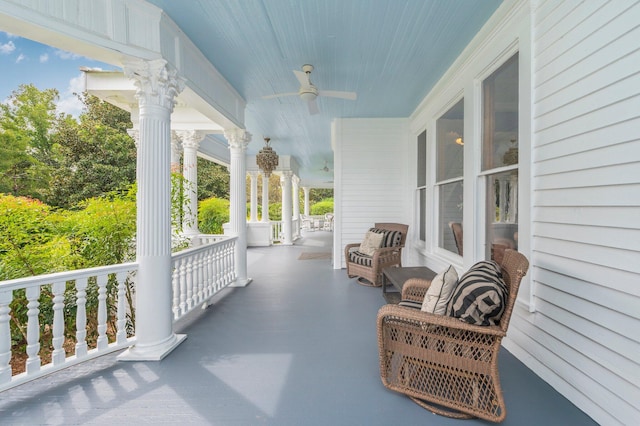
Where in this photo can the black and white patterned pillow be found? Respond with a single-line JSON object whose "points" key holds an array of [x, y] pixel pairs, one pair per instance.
{"points": [[480, 296], [390, 239]]}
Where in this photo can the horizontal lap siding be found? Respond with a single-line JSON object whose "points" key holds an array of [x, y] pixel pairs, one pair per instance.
{"points": [[373, 175], [586, 204]]}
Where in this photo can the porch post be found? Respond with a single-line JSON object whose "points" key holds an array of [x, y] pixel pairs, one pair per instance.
{"points": [[238, 141], [296, 206], [254, 196], [286, 207], [176, 150], [190, 142], [306, 200], [157, 87], [265, 198], [296, 197]]}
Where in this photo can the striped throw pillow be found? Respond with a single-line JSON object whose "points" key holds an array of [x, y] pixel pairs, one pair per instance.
{"points": [[480, 296], [390, 239]]}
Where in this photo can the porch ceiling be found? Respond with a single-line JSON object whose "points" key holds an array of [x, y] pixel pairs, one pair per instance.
{"points": [[390, 53]]}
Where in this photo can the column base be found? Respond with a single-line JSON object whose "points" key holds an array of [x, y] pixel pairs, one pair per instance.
{"points": [[154, 352], [241, 283]]}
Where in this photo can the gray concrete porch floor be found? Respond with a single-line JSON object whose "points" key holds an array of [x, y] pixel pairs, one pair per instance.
{"points": [[297, 346]]}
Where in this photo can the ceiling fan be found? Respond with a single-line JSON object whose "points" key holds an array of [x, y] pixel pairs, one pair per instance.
{"points": [[326, 168], [308, 92]]}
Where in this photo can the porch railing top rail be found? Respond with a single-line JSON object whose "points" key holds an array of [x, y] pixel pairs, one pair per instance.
{"points": [[39, 280]]}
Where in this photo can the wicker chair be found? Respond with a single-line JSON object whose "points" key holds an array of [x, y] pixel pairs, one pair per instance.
{"points": [[443, 364], [369, 272]]}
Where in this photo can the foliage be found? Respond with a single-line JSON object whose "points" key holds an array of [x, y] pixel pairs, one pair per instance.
{"points": [[212, 213], [37, 240], [322, 207], [213, 180], [27, 148], [96, 155], [275, 211]]}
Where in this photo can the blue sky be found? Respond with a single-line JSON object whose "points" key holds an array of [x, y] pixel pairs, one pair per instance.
{"points": [[23, 61]]}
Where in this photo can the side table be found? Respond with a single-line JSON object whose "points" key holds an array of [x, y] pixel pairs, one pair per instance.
{"points": [[398, 276]]}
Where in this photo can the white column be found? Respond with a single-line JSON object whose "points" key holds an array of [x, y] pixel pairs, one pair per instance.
{"points": [[286, 207], [254, 196], [176, 151], [157, 88], [306, 200], [265, 198], [296, 197], [190, 142], [296, 207], [238, 141]]}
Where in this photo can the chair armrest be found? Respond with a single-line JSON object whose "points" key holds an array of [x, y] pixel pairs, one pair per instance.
{"points": [[348, 248], [415, 289], [422, 320]]}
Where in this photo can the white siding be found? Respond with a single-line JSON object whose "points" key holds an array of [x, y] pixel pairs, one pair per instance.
{"points": [[371, 168], [577, 320], [586, 203]]}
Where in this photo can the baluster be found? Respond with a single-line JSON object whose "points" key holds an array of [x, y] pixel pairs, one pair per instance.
{"points": [[121, 323], [200, 277], [33, 330], [5, 336], [210, 288], [232, 264], [189, 265], [183, 287], [58, 355], [175, 288], [81, 317], [219, 259], [103, 341]]}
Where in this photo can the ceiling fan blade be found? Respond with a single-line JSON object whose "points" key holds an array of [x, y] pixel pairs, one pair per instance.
{"points": [[280, 95], [302, 77], [337, 94], [313, 107]]}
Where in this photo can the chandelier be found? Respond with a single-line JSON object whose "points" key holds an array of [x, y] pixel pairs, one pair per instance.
{"points": [[267, 158]]}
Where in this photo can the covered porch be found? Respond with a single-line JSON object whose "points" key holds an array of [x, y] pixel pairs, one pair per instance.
{"points": [[297, 346]]}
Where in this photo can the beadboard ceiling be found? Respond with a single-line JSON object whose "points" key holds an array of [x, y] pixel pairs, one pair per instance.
{"points": [[390, 52]]}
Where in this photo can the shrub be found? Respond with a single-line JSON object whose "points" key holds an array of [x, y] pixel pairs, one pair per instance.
{"points": [[212, 213], [322, 207], [275, 211]]}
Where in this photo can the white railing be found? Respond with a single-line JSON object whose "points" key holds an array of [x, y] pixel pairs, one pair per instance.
{"points": [[198, 274], [201, 272], [65, 289], [276, 231]]}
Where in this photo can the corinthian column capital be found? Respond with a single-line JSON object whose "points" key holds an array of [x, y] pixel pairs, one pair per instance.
{"points": [[191, 138], [238, 138], [157, 83]]}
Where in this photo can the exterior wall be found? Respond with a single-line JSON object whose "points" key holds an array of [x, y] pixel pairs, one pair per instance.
{"points": [[371, 178], [586, 205], [577, 318]]}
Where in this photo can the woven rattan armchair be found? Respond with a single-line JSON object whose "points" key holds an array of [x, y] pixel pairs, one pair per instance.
{"points": [[369, 268], [443, 364]]}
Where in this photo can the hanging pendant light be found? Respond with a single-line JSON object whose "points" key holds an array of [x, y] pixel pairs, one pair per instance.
{"points": [[267, 158]]}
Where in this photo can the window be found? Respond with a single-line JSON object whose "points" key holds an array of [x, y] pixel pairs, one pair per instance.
{"points": [[449, 173], [421, 184], [500, 156]]}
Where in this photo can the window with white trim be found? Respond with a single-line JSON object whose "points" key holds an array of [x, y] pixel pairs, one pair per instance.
{"points": [[449, 174], [500, 157], [421, 185]]}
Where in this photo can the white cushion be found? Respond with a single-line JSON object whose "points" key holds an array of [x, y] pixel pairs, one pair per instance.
{"points": [[440, 290], [371, 243]]}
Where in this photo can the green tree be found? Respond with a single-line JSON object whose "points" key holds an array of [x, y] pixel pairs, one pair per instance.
{"points": [[27, 123], [213, 180], [97, 156]]}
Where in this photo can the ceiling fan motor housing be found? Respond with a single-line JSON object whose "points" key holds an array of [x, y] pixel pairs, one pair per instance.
{"points": [[308, 93]]}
